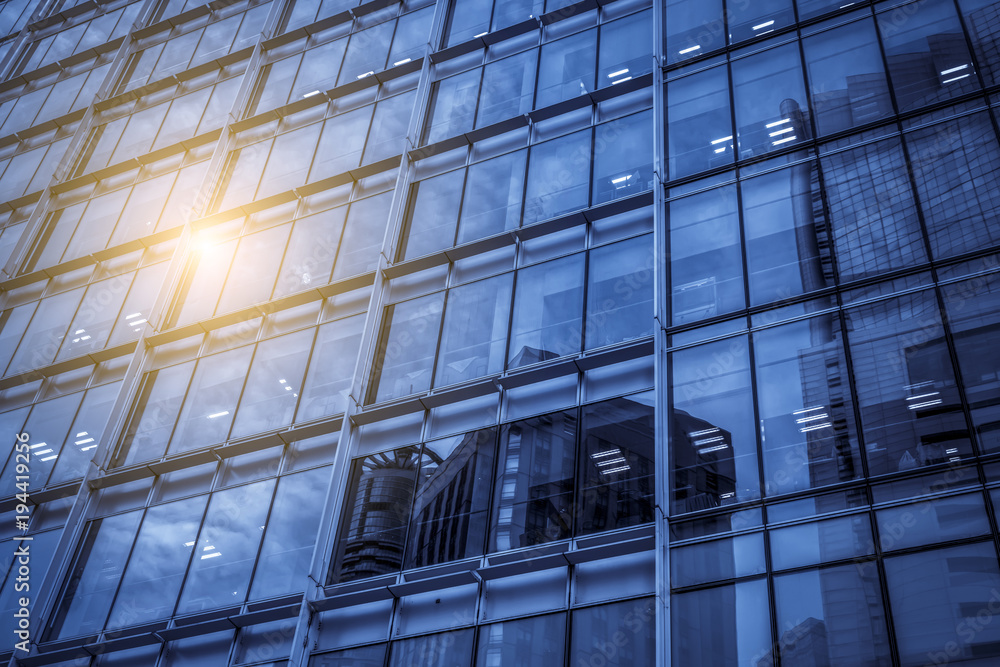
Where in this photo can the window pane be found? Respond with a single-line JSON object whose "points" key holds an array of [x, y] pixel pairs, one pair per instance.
{"points": [[945, 159], [453, 106], [705, 259], [154, 414], [475, 331], [311, 248], [625, 50], [376, 515], [567, 69], [533, 503], [449, 649], [713, 435], [928, 56], [366, 52], [771, 110], [341, 143], [832, 616], [158, 563], [493, 193], [86, 433], [273, 384], [405, 356], [328, 381], [452, 498], [699, 124], [598, 634], [363, 236], [529, 642], [548, 306], [251, 277], [935, 596], [433, 214], [872, 212], [740, 556], [620, 292], [932, 521], [623, 158], [739, 618], [694, 27], [823, 541], [467, 19], [389, 125], [618, 461], [909, 403], [806, 419], [846, 77], [981, 23], [226, 549], [508, 85]]}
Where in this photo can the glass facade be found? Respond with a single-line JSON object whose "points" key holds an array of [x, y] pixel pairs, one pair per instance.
{"points": [[469, 333]]}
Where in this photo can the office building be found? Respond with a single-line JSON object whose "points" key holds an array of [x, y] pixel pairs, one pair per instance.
{"points": [[500, 334]]}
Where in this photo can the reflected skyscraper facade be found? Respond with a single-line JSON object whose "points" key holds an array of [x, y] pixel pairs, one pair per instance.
{"points": [[470, 333]]}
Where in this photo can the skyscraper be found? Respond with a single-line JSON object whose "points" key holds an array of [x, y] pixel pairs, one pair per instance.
{"points": [[499, 334]]}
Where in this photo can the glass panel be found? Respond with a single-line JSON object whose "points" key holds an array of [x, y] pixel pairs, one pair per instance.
{"points": [[340, 146], [846, 77], [475, 331], [706, 264], [199, 651], [376, 514], [158, 563], [273, 384], [906, 389], [558, 177], [365, 656], [712, 434], [873, 231], [291, 533], [932, 521], [211, 401], [433, 214], [783, 218], [936, 597], [311, 248], [972, 308], [452, 497], [405, 356], [91, 583], [154, 414], [945, 160], [771, 109], [832, 616], [449, 649], [699, 122], [328, 382], [928, 56], [739, 618], [534, 499], [468, 19], [821, 542], [739, 556], [625, 50], [623, 159], [255, 265], [981, 22], [620, 292], [366, 52], [453, 106], [618, 463], [749, 20], [616, 635], [387, 136], [226, 549], [548, 305], [508, 86], [47, 427], [567, 69], [806, 416], [493, 193], [529, 642], [363, 236]]}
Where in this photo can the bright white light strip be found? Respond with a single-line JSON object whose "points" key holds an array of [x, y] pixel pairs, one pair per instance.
{"points": [[611, 470], [778, 122], [219, 414], [401, 62], [799, 412], [87, 449], [811, 418], [41, 444], [84, 441], [209, 547], [189, 544], [361, 76], [620, 179], [44, 451], [720, 150], [763, 25], [624, 71], [49, 458], [79, 331], [925, 404], [956, 78], [951, 450], [689, 49], [953, 70], [913, 398], [315, 92], [783, 141], [714, 429], [211, 555], [610, 452], [705, 441], [814, 428], [138, 322], [628, 78], [608, 462], [81, 434], [708, 450], [782, 131], [719, 141], [481, 34], [128, 317]]}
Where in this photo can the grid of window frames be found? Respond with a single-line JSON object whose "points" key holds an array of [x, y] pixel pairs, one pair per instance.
{"points": [[395, 261]]}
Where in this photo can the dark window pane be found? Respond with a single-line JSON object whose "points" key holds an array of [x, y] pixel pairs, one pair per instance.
{"points": [[770, 100], [467, 19], [932, 521], [452, 498], [699, 124], [616, 635], [981, 20], [832, 616], [625, 52], [376, 514], [558, 177], [936, 597], [928, 55], [548, 308], [713, 436], [328, 380], [529, 642], [623, 157], [475, 331], [432, 214], [620, 292], [453, 106], [508, 86], [693, 28], [804, 402], [846, 77], [448, 649], [783, 218], [617, 488], [405, 356], [533, 502], [872, 213], [910, 408], [956, 167], [738, 615], [199, 651], [154, 414], [752, 19], [706, 271], [823, 541], [567, 69]]}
